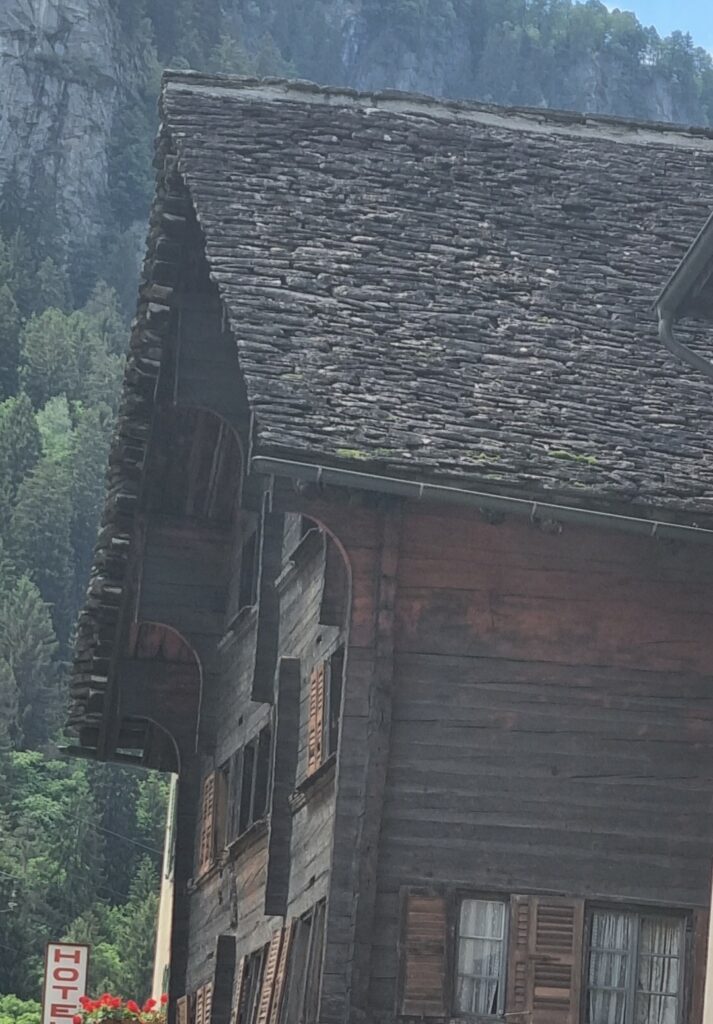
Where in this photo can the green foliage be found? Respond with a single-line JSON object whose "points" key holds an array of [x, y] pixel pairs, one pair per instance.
{"points": [[20, 441], [28, 674], [51, 286], [50, 351], [39, 535], [9, 341], [50, 860], [18, 1011]]}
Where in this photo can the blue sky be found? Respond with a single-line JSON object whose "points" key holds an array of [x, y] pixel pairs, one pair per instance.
{"points": [[694, 16]]}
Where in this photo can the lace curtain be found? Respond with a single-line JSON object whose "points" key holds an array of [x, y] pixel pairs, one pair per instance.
{"points": [[481, 936], [634, 969]]}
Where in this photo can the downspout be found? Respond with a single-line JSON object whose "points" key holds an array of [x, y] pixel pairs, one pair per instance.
{"points": [[677, 348]]}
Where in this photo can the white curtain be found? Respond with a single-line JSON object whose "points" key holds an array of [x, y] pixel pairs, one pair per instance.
{"points": [[611, 942], [645, 992], [481, 937], [659, 971]]}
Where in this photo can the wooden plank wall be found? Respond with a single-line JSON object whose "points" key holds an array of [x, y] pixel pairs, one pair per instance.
{"points": [[552, 720], [241, 884]]}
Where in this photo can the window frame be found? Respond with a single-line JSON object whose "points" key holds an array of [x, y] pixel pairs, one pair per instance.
{"points": [[260, 750], [459, 898], [303, 982], [333, 681], [247, 1012], [680, 915], [250, 559]]}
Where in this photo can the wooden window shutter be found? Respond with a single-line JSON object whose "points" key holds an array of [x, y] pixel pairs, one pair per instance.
{"points": [[182, 1010], [315, 731], [545, 962], [207, 833], [207, 1002], [268, 978], [236, 1016], [281, 973], [424, 955], [200, 1006]]}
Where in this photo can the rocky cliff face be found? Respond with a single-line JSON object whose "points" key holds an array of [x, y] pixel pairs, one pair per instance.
{"points": [[353, 42], [73, 80], [63, 73]]}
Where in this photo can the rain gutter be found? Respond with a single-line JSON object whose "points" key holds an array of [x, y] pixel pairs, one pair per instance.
{"points": [[536, 511], [677, 291]]}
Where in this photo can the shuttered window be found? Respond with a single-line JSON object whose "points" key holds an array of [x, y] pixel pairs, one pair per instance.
{"points": [[315, 727], [249, 986], [182, 1011], [519, 956], [545, 962], [301, 985], [424, 955], [206, 847], [325, 704]]}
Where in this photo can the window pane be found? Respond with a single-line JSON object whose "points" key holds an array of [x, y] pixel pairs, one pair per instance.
{"points": [[479, 979], [611, 940], [656, 1010], [606, 1007], [659, 970], [608, 970], [262, 777], [482, 919], [659, 975], [612, 930], [247, 788], [660, 936]]}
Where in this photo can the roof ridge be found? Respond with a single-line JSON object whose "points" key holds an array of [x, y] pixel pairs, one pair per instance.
{"points": [[285, 89]]}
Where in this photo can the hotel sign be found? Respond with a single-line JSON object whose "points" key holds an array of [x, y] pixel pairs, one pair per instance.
{"points": [[65, 981]]}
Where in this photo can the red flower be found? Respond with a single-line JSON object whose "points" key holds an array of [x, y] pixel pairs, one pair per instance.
{"points": [[115, 1003], [83, 1001], [164, 999], [76, 1019], [134, 1007], [149, 1005]]}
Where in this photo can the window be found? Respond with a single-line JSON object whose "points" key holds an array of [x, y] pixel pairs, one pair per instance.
{"points": [[635, 969], [211, 832], [524, 957], [300, 1003], [481, 958], [325, 704], [249, 784], [250, 986], [249, 570]]}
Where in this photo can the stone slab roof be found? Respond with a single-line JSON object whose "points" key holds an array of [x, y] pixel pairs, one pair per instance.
{"points": [[453, 290]]}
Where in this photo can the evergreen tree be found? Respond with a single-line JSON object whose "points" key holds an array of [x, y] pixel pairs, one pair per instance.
{"points": [[50, 347], [9, 709], [90, 450], [27, 649], [20, 442], [9, 342], [39, 536], [51, 287], [136, 929], [105, 319]]}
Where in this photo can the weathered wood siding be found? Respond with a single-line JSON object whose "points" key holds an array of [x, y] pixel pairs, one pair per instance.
{"points": [[231, 899], [552, 722]]}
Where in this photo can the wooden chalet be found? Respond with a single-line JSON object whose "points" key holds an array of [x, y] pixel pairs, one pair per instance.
{"points": [[406, 566]]}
